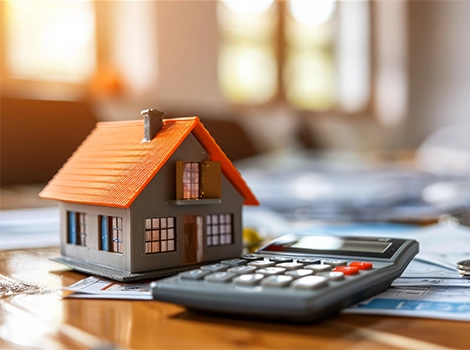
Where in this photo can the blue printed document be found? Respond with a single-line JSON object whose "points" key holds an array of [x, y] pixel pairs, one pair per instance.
{"points": [[451, 303]]}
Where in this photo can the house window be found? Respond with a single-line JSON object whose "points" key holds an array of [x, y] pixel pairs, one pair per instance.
{"points": [[198, 180], [219, 229], [111, 234], [76, 228], [160, 235], [191, 180]]}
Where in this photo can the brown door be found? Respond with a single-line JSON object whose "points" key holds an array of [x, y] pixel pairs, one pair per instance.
{"points": [[192, 239]]}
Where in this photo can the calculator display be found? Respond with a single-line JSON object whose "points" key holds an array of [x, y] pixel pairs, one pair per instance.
{"points": [[334, 245]]}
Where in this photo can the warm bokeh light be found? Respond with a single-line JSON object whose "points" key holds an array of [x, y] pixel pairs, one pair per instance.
{"points": [[247, 65], [248, 74], [248, 7], [309, 80], [311, 12], [50, 40], [321, 48]]}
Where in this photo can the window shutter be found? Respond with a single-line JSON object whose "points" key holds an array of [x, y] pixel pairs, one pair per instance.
{"points": [[179, 179], [211, 184]]}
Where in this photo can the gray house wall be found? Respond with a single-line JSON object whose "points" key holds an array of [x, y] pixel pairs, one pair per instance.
{"points": [[91, 252], [154, 202]]}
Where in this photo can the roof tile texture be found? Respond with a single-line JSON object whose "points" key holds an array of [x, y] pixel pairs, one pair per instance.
{"points": [[113, 165]]}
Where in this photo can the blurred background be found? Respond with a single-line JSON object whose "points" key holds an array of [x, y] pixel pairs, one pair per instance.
{"points": [[263, 75]]}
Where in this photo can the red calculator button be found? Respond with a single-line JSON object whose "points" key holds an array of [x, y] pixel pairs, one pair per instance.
{"points": [[347, 270], [361, 265]]}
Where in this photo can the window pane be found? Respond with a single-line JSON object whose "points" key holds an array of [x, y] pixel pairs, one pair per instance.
{"points": [[248, 74], [155, 247], [155, 235], [310, 79], [155, 223]]}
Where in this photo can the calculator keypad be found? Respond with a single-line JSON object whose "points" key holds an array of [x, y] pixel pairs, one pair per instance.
{"points": [[278, 272]]}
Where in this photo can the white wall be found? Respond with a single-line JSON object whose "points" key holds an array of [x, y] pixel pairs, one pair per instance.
{"points": [[439, 67]]}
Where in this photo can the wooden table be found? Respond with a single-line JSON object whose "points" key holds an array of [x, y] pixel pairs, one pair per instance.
{"points": [[33, 314]]}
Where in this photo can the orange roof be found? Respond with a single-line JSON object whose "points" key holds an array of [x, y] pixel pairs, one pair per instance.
{"points": [[113, 166]]}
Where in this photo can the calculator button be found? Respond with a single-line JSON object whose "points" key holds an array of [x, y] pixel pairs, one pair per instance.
{"points": [[318, 268], [281, 259], [220, 277], [268, 271], [290, 266], [308, 261], [299, 273], [252, 257], [248, 279], [215, 267], [277, 281], [242, 269], [310, 282], [332, 275], [262, 263], [194, 274], [362, 265], [334, 262], [234, 262], [347, 270]]}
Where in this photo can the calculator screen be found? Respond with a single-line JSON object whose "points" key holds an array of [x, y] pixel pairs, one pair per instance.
{"points": [[333, 245]]}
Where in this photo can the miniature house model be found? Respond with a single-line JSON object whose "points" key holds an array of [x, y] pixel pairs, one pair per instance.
{"points": [[146, 198]]}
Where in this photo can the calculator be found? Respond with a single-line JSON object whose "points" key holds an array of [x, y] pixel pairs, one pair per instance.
{"points": [[299, 277]]}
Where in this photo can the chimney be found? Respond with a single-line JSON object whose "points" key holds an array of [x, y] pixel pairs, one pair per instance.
{"points": [[153, 122]]}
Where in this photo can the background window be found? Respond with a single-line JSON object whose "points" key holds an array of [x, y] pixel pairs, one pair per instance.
{"points": [[219, 229], [63, 49], [247, 68], [160, 235], [50, 40], [313, 55]]}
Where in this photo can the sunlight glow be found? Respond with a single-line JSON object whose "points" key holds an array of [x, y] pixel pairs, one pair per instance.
{"points": [[51, 40], [310, 80], [248, 74], [311, 12], [248, 7]]}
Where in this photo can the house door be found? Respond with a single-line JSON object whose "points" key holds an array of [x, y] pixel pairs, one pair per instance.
{"points": [[192, 239]]}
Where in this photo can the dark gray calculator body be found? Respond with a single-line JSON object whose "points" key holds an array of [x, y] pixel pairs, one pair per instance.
{"points": [[298, 277]]}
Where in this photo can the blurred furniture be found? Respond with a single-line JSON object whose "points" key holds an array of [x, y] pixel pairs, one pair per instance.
{"points": [[231, 137], [38, 136]]}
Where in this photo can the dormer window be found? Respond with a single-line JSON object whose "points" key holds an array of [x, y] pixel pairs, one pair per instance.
{"points": [[191, 182], [196, 181]]}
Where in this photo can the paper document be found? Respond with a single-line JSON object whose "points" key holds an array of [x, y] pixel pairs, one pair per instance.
{"points": [[98, 288], [452, 303]]}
